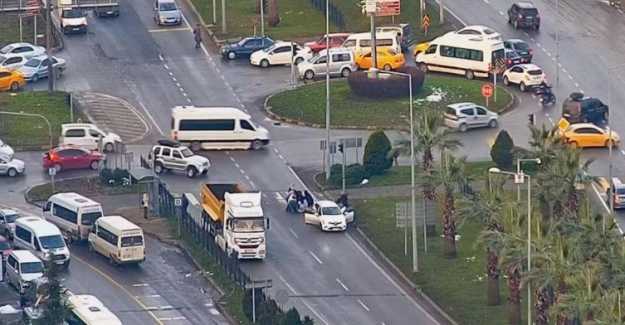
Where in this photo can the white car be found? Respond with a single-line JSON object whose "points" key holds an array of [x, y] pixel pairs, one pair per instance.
{"points": [[278, 54], [10, 166], [524, 75], [328, 215], [6, 150], [304, 55], [7, 222], [26, 50], [484, 32], [12, 61], [37, 67], [87, 136]]}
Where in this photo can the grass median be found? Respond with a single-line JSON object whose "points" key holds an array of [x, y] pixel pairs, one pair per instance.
{"points": [[10, 29], [307, 103]]}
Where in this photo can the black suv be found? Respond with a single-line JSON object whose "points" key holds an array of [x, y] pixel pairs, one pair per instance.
{"points": [[524, 14], [579, 109]]}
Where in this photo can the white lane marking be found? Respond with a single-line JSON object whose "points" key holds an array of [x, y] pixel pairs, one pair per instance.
{"points": [[160, 57], [181, 89], [532, 39], [252, 184], [166, 66], [242, 171], [570, 77], [560, 65], [281, 157], [174, 79], [171, 73], [186, 22], [276, 150], [166, 307], [388, 277], [278, 196], [538, 44], [145, 110], [363, 305], [189, 100], [247, 177], [237, 165], [140, 285], [171, 318], [623, 152], [486, 1], [564, 70], [232, 158], [548, 54], [581, 90], [605, 206], [178, 85], [342, 284], [293, 233], [501, 13], [185, 95], [551, 121], [315, 257], [208, 304], [214, 311], [314, 311], [148, 296], [576, 86], [553, 58]]}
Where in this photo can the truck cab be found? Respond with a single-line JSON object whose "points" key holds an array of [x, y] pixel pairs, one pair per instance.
{"points": [[618, 193], [73, 20], [328, 215]]}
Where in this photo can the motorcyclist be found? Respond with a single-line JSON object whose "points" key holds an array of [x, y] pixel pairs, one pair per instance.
{"points": [[545, 93]]}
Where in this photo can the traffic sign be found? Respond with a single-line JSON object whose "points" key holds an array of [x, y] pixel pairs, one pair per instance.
{"points": [[52, 171], [425, 23], [487, 90], [563, 124], [388, 8]]}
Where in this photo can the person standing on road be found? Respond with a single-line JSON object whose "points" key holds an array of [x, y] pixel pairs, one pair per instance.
{"points": [[145, 205], [197, 36]]}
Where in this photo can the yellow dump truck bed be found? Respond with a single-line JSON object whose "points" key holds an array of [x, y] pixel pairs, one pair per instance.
{"points": [[213, 202]]}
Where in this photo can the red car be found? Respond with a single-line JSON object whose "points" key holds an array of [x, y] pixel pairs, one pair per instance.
{"points": [[5, 247], [62, 158], [336, 40]]}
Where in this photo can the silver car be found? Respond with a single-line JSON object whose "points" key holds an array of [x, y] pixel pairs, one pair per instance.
{"points": [[167, 13], [37, 67], [341, 64], [464, 116], [11, 167], [7, 222]]}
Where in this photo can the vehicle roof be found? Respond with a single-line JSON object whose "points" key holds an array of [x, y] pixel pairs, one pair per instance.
{"points": [[118, 222], [25, 256], [93, 310], [284, 43], [515, 40], [78, 125], [326, 203], [14, 45], [245, 204], [528, 66], [367, 35], [68, 146], [455, 39], [7, 212], [525, 5], [338, 34], [43, 57], [39, 226], [462, 105], [583, 125], [74, 199], [208, 112], [479, 28], [335, 50]]}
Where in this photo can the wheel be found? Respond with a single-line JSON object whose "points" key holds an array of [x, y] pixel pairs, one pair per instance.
{"points": [[15, 87], [522, 86], [94, 165], [387, 67], [57, 167], [158, 168], [299, 60], [469, 74], [195, 146], [232, 55], [345, 72], [109, 147], [264, 63], [35, 78], [492, 124], [463, 127], [516, 24], [423, 67], [12, 172], [191, 172], [309, 75], [506, 81], [256, 144]]}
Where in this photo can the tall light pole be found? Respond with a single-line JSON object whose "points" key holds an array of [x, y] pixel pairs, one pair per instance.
{"points": [[415, 254], [557, 43], [49, 46], [328, 90], [611, 189], [262, 18], [519, 178], [518, 171]]}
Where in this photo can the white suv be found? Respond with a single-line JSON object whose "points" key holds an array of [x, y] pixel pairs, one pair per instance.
{"points": [[463, 116], [524, 75], [169, 155], [87, 136]]}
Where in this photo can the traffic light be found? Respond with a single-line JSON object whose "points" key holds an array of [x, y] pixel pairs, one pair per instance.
{"points": [[340, 147], [531, 119]]}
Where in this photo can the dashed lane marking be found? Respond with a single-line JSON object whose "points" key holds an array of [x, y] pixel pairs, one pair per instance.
{"points": [[576, 85], [178, 85], [148, 296], [166, 319], [167, 67], [145, 110], [174, 79], [293, 233], [342, 284], [564, 70], [246, 176], [570, 77], [189, 100], [140, 285], [214, 311], [314, 311], [160, 57], [236, 164], [161, 30], [252, 184], [315, 257], [623, 152], [363, 305], [501, 13]]}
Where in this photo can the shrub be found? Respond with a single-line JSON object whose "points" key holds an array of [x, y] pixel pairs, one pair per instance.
{"points": [[501, 151], [382, 85], [113, 176], [105, 175], [354, 174], [376, 158]]}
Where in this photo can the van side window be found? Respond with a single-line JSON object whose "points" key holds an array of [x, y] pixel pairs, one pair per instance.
{"points": [[166, 152], [23, 234], [431, 49], [206, 125], [37, 247], [321, 60], [107, 236], [245, 125], [64, 213], [94, 133], [340, 57], [47, 206], [447, 51], [176, 154], [11, 260], [350, 43], [75, 133]]}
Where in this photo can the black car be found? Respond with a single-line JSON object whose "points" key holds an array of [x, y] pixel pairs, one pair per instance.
{"points": [[512, 58], [245, 47], [521, 47], [524, 14], [580, 109]]}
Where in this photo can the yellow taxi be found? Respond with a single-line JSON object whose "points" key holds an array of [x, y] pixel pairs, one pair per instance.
{"points": [[420, 48], [584, 135], [388, 59], [11, 80]]}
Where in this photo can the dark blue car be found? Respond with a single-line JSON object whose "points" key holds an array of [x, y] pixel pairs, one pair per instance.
{"points": [[245, 47]]}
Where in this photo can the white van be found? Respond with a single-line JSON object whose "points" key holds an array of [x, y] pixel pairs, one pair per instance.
{"points": [[73, 213], [216, 128], [88, 310], [459, 54], [88, 136], [42, 238], [118, 239], [361, 42], [21, 268]]}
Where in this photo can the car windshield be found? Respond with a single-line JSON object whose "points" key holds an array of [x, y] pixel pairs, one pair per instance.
{"points": [[167, 6], [131, 241], [330, 211], [488, 31], [53, 241], [521, 46], [6, 49], [242, 42], [73, 13], [620, 190], [2, 58], [31, 267], [269, 49], [10, 218], [88, 219], [4, 245], [33, 63], [186, 152], [529, 11], [248, 224], [535, 72]]}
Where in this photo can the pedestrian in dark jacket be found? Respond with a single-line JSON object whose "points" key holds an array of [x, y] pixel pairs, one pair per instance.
{"points": [[309, 199], [197, 36]]}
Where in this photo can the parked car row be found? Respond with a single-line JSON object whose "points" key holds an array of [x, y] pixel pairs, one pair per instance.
{"points": [[24, 62]]}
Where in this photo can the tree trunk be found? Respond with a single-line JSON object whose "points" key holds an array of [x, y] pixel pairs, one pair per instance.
{"points": [[514, 298], [449, 225], [274, 15], [493, 297]]}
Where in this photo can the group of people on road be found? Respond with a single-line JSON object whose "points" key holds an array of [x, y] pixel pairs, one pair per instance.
{"points": [[298, 201]]}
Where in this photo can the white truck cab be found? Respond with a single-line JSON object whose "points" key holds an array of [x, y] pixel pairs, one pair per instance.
{"points": [[87, 136], [328, 215]]}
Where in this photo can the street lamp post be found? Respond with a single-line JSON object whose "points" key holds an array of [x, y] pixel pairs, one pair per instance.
{"points": [[519, 179], [415, 254], [557, 43], [327, 90], [518, 171], [611, 189]]}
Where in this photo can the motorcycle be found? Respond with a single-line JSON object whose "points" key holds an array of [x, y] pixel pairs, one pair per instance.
{"points": [[546, 95]]}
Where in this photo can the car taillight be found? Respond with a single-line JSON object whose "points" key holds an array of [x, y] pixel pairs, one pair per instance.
{"points": [[529, 51], [509, 61]]}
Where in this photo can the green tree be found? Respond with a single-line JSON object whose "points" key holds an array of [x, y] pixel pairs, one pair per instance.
{"points": [[376, 157], [501, 151], [291, 317], [55, 308]]}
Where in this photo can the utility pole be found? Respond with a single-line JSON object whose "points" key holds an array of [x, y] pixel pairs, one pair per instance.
{"points": [[262, 18], [49, 46], [223, 16], [214, 12], [441, 12], [557, 43], [374, 54], [328, 166]]}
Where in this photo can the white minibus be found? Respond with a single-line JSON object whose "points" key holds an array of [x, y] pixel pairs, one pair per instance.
{"points": [[88, 310], [361, 42], [42, 238], [216, 128], [73, 213], [118, 239], [459, 54]]}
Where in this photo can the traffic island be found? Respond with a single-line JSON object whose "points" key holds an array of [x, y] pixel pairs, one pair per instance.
{"points": [[306, 104]]}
